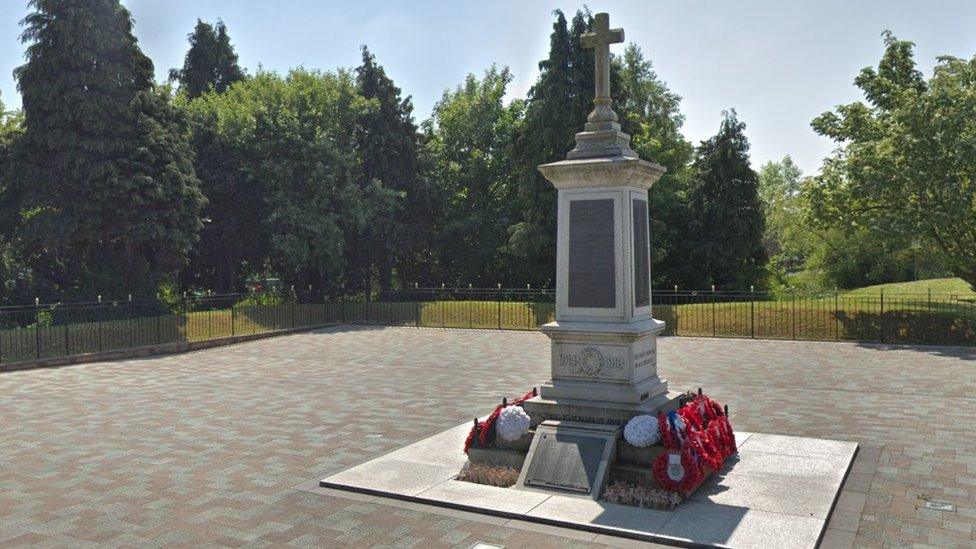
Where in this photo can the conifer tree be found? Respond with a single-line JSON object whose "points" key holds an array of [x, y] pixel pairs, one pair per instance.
{"points": [[106, 191], [726, 232], [387, 142], [210, 63], [557, 108], [553, 116]]}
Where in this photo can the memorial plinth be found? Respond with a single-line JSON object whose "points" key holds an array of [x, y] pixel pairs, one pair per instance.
{"points": [[604, 339]]}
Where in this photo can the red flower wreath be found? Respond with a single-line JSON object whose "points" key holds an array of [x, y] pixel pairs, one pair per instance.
{"points": [[697, 435], [678, 471]]}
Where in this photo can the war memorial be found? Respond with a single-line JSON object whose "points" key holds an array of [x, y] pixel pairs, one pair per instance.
{"points": [[605, 445]]}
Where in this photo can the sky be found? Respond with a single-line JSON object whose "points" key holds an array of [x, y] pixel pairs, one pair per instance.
{"points": [[778, 63]]}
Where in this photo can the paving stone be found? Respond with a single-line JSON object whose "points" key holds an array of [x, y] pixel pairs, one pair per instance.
{"points": [[798, 446], [476, 495], [580, 509], [769, 494], [112, 442], [817, 471], [727, 525]]}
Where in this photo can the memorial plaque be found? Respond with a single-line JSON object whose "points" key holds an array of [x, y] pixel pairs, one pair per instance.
{"points": [[566, 461], [642, 267], [592, 280]]}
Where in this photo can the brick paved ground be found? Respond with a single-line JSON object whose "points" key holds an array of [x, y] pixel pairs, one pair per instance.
{"points": [[224, 446]]}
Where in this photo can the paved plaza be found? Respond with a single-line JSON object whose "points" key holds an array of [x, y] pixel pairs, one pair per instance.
{"points": [[226, 446]]}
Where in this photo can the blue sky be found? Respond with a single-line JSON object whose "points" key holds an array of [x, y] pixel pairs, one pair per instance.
{"points": [[779, 63]]}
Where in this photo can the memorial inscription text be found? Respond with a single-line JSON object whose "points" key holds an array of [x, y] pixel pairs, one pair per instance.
{"points": [[569, 462], [642, 267], [592, 281]]}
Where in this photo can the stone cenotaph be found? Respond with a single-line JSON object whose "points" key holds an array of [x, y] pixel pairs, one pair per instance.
{"points": [[604, 339]]}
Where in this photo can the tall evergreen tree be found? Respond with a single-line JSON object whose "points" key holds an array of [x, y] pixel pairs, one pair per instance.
{"points": [[557, 108], [107, 192], [210, 63], [387, 142], [726, 232], [16, 279]]}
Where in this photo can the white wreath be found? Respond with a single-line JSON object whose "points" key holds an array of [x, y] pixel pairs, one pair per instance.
{"points": [[642, 431], [512, 423]]}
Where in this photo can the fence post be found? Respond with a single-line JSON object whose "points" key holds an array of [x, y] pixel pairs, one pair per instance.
{"points": [[752, 311], [931, 318], [882, 319], [416, 312], [793, 306], [674, 309], [499, 313], [233, 315], [101, 313], [714, 327], [37, 327], [836, 316], [67, 341], [159, 323], [294, 307], [130, 322]]}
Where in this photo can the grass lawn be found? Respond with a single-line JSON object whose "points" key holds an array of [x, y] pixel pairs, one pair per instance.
{"points": [[906, 314], [942, 286]]}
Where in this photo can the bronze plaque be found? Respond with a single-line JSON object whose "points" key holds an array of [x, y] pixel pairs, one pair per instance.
{"points": [[642, 267], [566, 461], [591, 254]]}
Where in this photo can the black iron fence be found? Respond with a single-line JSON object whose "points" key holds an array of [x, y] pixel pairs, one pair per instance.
{"points": [[52, 330], [49, 330]]}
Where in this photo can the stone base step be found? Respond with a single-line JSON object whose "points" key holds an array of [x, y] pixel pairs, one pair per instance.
{"points": [[633, 474], [521, 444], [497, 456], [632, 455]]}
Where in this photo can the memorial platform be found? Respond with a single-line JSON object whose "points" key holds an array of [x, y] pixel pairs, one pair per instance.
{"points": [[778, 491]]}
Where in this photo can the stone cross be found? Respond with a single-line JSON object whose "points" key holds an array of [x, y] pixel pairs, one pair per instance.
{"points": [[600, 40]]}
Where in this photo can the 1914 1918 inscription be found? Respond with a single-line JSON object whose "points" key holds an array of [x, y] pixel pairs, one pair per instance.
{"points": [[642, 267], [592, 280], [564, 461]]}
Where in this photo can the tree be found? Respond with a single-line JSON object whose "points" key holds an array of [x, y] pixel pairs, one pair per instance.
{"points": [[727, 222], [107, 196], [907, 164], [292, 165], [651, 111], [471, 144], [17, 277], [556, 110], [210, 63], [779, 190], [547, 133], [386, 138]]}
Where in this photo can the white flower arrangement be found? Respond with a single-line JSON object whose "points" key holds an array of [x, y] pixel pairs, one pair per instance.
{"points": [[512, 423], [642, 431]]}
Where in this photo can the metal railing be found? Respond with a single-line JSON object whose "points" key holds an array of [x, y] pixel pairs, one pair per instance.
{"points": [[49, 330], [42, 331]]}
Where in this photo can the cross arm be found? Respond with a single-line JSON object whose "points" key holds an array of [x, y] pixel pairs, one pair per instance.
{"points": [[610, 36]]}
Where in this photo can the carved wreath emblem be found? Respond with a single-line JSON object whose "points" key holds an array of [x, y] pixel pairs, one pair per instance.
{"points": [[591, 362]]}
